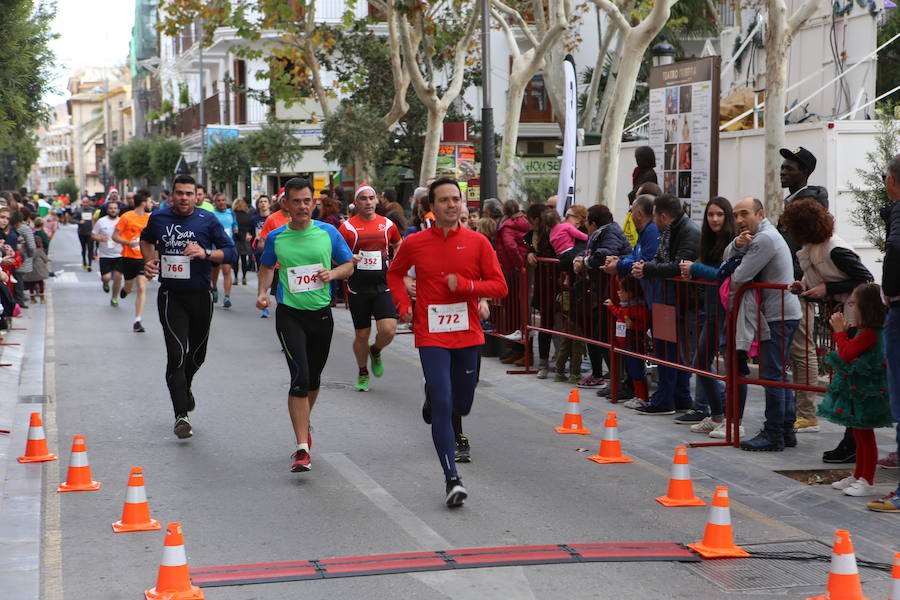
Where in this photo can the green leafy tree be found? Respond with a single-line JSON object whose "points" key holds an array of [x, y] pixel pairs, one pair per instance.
{"points": [[273, 147], [137, 159], [354, 135], [871, 196], [164, 155], [68, 187], [227, 160], [119, 163]]}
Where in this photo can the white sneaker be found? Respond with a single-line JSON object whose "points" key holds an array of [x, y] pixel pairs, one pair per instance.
{"points": [[635, 403], [844, 483], [542, 373], [515, 336], [719, 431], [704, 426], [861, 488]]}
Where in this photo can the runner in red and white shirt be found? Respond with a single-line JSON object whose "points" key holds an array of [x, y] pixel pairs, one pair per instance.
{"points": [[454, 267], [370, 236]]}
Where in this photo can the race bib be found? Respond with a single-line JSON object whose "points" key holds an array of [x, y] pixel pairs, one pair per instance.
{"points": [[175, 266], [448, 317], [621, 329], [111, 244], [371, 261], [87, 216], [304, 279]]}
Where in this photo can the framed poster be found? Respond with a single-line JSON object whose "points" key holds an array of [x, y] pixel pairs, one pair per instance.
{"points": [[684, 130]]}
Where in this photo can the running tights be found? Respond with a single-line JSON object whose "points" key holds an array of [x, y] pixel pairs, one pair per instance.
{"points": [[185, 319], [305, 337], [451, 375], [866, 454], [87, 249], [242, 263]]}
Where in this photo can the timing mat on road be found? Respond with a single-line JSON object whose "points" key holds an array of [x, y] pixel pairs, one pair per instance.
{"points": [[441, 560]]}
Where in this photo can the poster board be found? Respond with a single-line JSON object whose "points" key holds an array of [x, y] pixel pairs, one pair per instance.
{"points": [[684, 130]]}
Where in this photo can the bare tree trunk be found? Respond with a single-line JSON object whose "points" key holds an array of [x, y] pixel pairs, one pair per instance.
{"points": [[776, 75], [590, 105], [610, 87], [310, 51], [436, 113], [517, 83], [555, 84]]}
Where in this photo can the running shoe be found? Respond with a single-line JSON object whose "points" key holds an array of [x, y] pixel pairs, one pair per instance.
{"points": [[105, 287], [704, 426], [889, 462], [720, 431], [463, 452], [635, 403], [456, 493], [300, 462], [215, 295], [264, 314], [806, 425], [377, 364], [122, 293], [182, 427], [227, 302], [844, 483], [860, 488], [138, 327], [114, 302], [763, 442], [89, 269], [362, 383], [651, 410], [690, 417], [890, 503], [591, 382]]}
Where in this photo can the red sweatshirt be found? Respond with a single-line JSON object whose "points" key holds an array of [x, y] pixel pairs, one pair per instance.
{"points": [[469, 256], [849, 349]]}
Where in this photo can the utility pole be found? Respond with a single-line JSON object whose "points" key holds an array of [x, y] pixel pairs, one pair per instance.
{"points": [[202, 171], [488, 158]]}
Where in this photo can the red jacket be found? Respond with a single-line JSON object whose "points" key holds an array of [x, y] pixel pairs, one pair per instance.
{"points": [[466, 254], [511, 248]]}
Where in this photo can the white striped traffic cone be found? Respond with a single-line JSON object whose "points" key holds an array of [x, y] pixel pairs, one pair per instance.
{"points": [[718, 540], [610, 448], [572, 419], [843, 576], [681, 488], [173, 581], [136, 511], [78, 478], [36, 447], [895, 574]]}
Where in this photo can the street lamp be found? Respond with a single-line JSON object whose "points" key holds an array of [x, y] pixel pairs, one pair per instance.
{"points": [[663, 52]]}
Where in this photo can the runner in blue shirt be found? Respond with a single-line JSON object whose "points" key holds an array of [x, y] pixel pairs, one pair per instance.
{"points": [[226, 217], [177, 246]]}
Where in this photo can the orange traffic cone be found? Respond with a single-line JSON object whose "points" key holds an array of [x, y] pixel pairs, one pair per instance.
{"points": [[173, 581], [717, 539], [36, 447], [79, 476], [681, 489], [572, 419], [895, 573], [610, 448], [136, 511], [843, 576]]}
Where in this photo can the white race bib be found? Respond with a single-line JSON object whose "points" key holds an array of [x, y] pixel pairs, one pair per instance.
{"points": [[370, 261], [87, 216], [175, 266], [111, 244], [621, 329], [304, 278], [448, 317]]}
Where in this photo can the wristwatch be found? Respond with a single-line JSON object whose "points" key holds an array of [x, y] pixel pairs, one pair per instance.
{"points": [[208, 253]]}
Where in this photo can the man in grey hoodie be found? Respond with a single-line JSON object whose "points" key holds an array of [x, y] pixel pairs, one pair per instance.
{"points": [[766, 258]]}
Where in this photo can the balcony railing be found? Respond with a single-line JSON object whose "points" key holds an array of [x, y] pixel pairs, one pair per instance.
{"points": [[188, 120]]}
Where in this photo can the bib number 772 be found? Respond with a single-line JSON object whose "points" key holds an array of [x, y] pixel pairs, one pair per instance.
{"points": [[448, 317]]}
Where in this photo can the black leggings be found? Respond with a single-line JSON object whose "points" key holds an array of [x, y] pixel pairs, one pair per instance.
{"points": [[243, 263], [185, 319], [305, 337], [87, 249]]}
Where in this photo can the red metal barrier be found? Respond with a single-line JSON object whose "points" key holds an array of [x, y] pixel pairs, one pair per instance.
{"points": [[510, 314]]}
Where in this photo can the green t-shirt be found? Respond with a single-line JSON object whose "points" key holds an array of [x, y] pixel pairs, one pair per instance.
{"points": [[207, 205], [299, 255]]}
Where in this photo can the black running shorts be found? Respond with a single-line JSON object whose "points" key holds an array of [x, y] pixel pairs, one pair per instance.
{"points": [[108, 265], [365, 306], [132, 267]]}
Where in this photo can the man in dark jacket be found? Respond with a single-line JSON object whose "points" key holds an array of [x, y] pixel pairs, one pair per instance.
{"points": [[890, 287], [679, 241], [798, 165]]}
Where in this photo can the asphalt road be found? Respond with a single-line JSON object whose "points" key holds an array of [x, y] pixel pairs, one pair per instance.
{"points": [[376, 486]]}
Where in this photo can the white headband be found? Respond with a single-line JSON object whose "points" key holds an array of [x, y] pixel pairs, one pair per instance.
{"points": [[361, 189]]}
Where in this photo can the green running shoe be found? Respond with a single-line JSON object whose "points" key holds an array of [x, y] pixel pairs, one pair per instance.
{"points": [[362, 383], [377, 364]]}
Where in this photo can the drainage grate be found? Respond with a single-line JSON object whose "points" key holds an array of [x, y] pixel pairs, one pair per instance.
{"points": [[33, 399], [747, 574], [336, 385]]}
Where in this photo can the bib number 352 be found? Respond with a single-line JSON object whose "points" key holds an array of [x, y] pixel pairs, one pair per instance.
{"points": [[369, 261], [304, 278], [448, 317], [175, 266]]}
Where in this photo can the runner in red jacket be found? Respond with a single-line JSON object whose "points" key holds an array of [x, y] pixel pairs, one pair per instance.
{"points": [[454, 266]]}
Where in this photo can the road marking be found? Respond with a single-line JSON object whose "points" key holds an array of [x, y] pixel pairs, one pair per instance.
{"points": [[51, 559], [491, 584]]}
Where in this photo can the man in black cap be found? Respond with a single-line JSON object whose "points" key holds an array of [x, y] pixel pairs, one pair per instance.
{"points": [[798, 165]]}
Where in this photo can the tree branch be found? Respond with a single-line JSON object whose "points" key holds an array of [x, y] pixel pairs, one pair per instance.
{"points": [[412, 67], [801, 15], [459, 61], [517, 17], [399, 106], [615, 15]]}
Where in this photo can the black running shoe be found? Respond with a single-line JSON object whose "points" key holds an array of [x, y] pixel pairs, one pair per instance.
{"points": [[138, 327], [426, 407], [106, 287], [182, 427], [456, 493], [122, 293], [463, 452]]}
